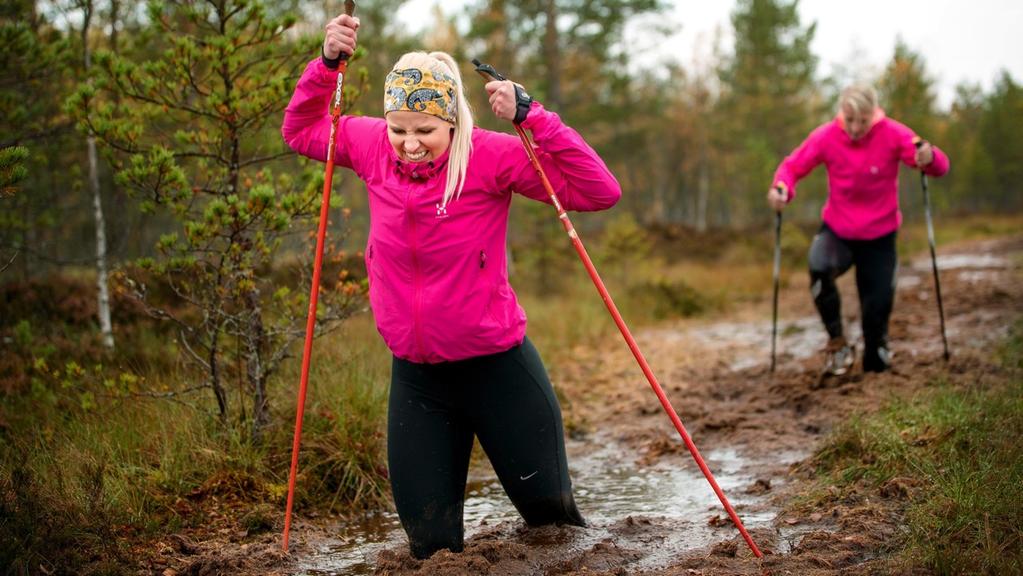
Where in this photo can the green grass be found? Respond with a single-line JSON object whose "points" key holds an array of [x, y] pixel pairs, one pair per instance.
{"points": [[960, 445], [343, 459], [950, 229], [78, 476]]}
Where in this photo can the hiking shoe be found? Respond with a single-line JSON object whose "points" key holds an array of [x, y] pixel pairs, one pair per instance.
{"points": [[877, 360], [838, 357]]}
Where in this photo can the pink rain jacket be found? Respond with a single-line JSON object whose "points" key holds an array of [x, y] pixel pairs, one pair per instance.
{"points": [[438, 279], [863, 197]]}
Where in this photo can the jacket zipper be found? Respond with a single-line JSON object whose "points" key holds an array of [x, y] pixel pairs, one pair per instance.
{"points": [[416, 290]]}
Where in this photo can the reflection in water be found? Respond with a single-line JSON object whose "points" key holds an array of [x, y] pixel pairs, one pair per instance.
{"points": [[608, 488]]}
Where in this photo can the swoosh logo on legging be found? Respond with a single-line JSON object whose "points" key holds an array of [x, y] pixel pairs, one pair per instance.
{"points": [[530, 476]]}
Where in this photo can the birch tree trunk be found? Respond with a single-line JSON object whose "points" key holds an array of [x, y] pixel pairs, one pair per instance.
{"points": [[102, 289]]}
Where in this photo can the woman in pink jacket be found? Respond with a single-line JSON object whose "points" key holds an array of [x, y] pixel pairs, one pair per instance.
{"points": [[861, 149], [439, 193]]}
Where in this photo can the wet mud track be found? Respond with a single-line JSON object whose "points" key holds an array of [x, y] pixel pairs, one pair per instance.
{"points": [[754, 427]]}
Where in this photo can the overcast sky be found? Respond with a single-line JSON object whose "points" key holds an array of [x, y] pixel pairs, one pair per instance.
{"points": [[960, 40]]}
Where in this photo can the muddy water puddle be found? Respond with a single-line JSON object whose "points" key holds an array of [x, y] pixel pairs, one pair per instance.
{"points": [[673, 500], [963, 261], [748, 344]]}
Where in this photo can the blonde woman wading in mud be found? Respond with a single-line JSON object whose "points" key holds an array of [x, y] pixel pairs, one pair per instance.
{"points": [[439, 193]]}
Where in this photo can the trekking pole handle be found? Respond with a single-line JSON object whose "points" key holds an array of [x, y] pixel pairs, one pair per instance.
{"points": [[523, 101], [487, 71], [349, 10], [334, 63]]}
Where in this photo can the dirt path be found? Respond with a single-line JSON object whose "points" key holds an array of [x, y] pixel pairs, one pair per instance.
{"points": [[715, 374]]}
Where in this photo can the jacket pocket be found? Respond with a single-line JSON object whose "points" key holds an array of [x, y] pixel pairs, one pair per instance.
{"points": [[500, 305]]}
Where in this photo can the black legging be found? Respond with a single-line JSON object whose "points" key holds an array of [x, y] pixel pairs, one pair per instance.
{"points": [[506, 400], [876, 264]]}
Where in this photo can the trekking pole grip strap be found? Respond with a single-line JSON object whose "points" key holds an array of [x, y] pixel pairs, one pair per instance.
{"points": [[523, 101]]}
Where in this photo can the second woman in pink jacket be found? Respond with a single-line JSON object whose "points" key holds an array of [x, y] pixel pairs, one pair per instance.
{"points": [[862, 150], [439, 194]]}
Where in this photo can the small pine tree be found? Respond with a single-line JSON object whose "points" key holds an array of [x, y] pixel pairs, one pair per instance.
{"points": [[193, 133], [12, 169]]}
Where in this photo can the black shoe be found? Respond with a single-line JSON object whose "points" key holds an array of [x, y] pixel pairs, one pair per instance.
{"points": [[877, 360]]}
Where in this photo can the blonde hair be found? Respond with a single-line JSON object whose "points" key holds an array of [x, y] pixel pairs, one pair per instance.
{"points": [[461, 140], [861, 99]]}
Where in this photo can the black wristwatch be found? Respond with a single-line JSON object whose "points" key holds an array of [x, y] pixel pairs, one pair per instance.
{"points": [[332, 63], [522, 103]]}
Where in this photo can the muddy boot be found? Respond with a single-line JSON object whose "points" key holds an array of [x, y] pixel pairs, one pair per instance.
{"points": [[838, 357], [877, 359]]}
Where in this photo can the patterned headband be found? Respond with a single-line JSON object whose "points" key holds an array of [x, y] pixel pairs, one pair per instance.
{"points": [[415, 90]]}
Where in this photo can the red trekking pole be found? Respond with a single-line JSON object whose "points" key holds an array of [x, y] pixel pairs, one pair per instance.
{"points": [[314, 292], [489, 73]]}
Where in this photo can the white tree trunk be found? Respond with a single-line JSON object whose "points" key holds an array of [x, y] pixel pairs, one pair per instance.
{"points": [[102, 290]]}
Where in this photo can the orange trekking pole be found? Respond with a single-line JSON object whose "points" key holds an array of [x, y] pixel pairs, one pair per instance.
{"points": [[314, 292], [488, 74]]}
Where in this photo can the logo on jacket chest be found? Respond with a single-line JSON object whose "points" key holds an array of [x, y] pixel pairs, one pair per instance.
{"points": [[442, 211]]}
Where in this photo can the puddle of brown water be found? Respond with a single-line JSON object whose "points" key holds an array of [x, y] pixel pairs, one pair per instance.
{"points": [[609, 487]]}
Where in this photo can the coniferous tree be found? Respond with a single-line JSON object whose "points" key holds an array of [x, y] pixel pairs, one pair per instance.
{"points": [[194, 134], [12, 171], [767, 103], [973, 178], [906, 93], [569, 55], [1001, 134], [12, 168], [32, 67]]}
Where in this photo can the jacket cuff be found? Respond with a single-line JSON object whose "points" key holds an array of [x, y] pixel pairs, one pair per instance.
{"points": [[321, 72], [537, 119]]}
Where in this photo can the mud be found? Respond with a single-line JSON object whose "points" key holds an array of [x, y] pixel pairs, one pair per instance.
{"points": [[755, 427]]}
